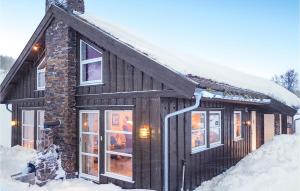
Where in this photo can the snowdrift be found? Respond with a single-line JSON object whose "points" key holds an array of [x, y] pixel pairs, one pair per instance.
{"points": [[274, 167]]}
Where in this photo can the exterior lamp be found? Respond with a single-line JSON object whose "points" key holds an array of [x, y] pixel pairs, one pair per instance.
{"points": [[36, 47], [248, 122], [144, 132], [13, 123]]}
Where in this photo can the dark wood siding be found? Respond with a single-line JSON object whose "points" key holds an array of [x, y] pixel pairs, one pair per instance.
{"points": [[17, 107], [118, 75], [206, 164], [147, 158]]}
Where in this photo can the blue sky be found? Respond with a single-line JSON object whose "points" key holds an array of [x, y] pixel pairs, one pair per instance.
{"points": [[256, 36]]}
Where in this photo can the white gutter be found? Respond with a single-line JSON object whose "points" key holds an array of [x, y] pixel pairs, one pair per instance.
{"points": [[198, 95]]}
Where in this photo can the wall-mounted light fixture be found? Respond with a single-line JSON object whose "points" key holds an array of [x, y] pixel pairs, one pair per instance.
{"points": [[13, 123], [36, 47], [248, 123], [144, 132]]}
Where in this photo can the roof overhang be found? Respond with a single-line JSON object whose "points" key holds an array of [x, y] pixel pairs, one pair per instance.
{"points": [[178, 82]]}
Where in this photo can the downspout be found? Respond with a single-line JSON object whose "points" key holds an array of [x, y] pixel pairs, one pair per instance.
{"points": [[8, 108], [198, 96]]}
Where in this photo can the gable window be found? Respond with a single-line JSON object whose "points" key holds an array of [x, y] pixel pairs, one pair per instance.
{"points": [[215, 127], [118, 145], [90, 64], [40, 76], [28, 128], [198, 130], [237, 125]]}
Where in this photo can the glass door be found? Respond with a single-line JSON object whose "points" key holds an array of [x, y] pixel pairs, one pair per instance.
{"points": [[89, 145], [28, 129]]}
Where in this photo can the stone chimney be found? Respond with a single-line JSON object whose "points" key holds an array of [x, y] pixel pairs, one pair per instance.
{"points": [[69, 5]]}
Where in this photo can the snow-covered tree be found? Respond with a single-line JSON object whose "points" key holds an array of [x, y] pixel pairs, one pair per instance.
{"points": [[289, 80]]}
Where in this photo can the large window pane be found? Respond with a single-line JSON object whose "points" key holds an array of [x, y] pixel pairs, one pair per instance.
{"points": [[214, 135], [90, 122], [28, 128], [198, 138], [91, 71], [89, 165], [198, 129], [237, 124], [41, 79], [215, 127], [119, 121], [198, 120], [90, 144], [118, 142], [88, 52], [117, 164]]}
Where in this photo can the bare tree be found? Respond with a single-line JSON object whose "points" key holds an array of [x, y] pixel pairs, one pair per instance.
{"points": [[289, 80]]}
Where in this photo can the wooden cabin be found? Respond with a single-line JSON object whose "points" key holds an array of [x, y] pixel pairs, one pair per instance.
{"points": [[111, 98]]}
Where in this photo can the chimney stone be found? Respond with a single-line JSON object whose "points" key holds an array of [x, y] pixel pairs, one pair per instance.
{"points": [[69, 5]]}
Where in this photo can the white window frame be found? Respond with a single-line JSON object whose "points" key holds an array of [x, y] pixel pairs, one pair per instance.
{"points": [[220, 135], [237, 138], [81, 174], [39, 127], [90, 61], [38, 71], [202, 147], [27, 125], [111, 174]]}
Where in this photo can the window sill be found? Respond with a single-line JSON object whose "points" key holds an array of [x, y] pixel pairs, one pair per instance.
{"points": [[91, 84], [238, 139], [205, 149], [41, 89], [115, 176]]}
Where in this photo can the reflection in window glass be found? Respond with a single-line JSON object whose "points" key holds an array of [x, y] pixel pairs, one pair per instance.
{"points": [[90, 122], [90, 64], [198, 130], [88, 52], [89, 143], [119, 164], [237, 124], [215, 127], [119, 142], [89, 165]]}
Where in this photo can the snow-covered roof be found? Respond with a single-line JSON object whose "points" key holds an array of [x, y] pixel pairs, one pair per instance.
{"points": [[191, 65]]}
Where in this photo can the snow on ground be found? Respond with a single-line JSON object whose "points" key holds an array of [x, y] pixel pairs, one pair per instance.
{"points": [[273, 167], [188, 64], [14, 159], [5, 118]]}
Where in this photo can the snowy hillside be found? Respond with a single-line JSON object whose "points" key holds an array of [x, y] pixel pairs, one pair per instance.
{"points": [[273, 167], [5, 118]]}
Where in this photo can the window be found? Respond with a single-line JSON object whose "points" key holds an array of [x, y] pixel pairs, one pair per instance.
{"points": [[40, 76], [89, 144], [28, 128], [118, 146], [215, 128], [198, 130], [237, 125], [40, 126], [90, 64]]}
